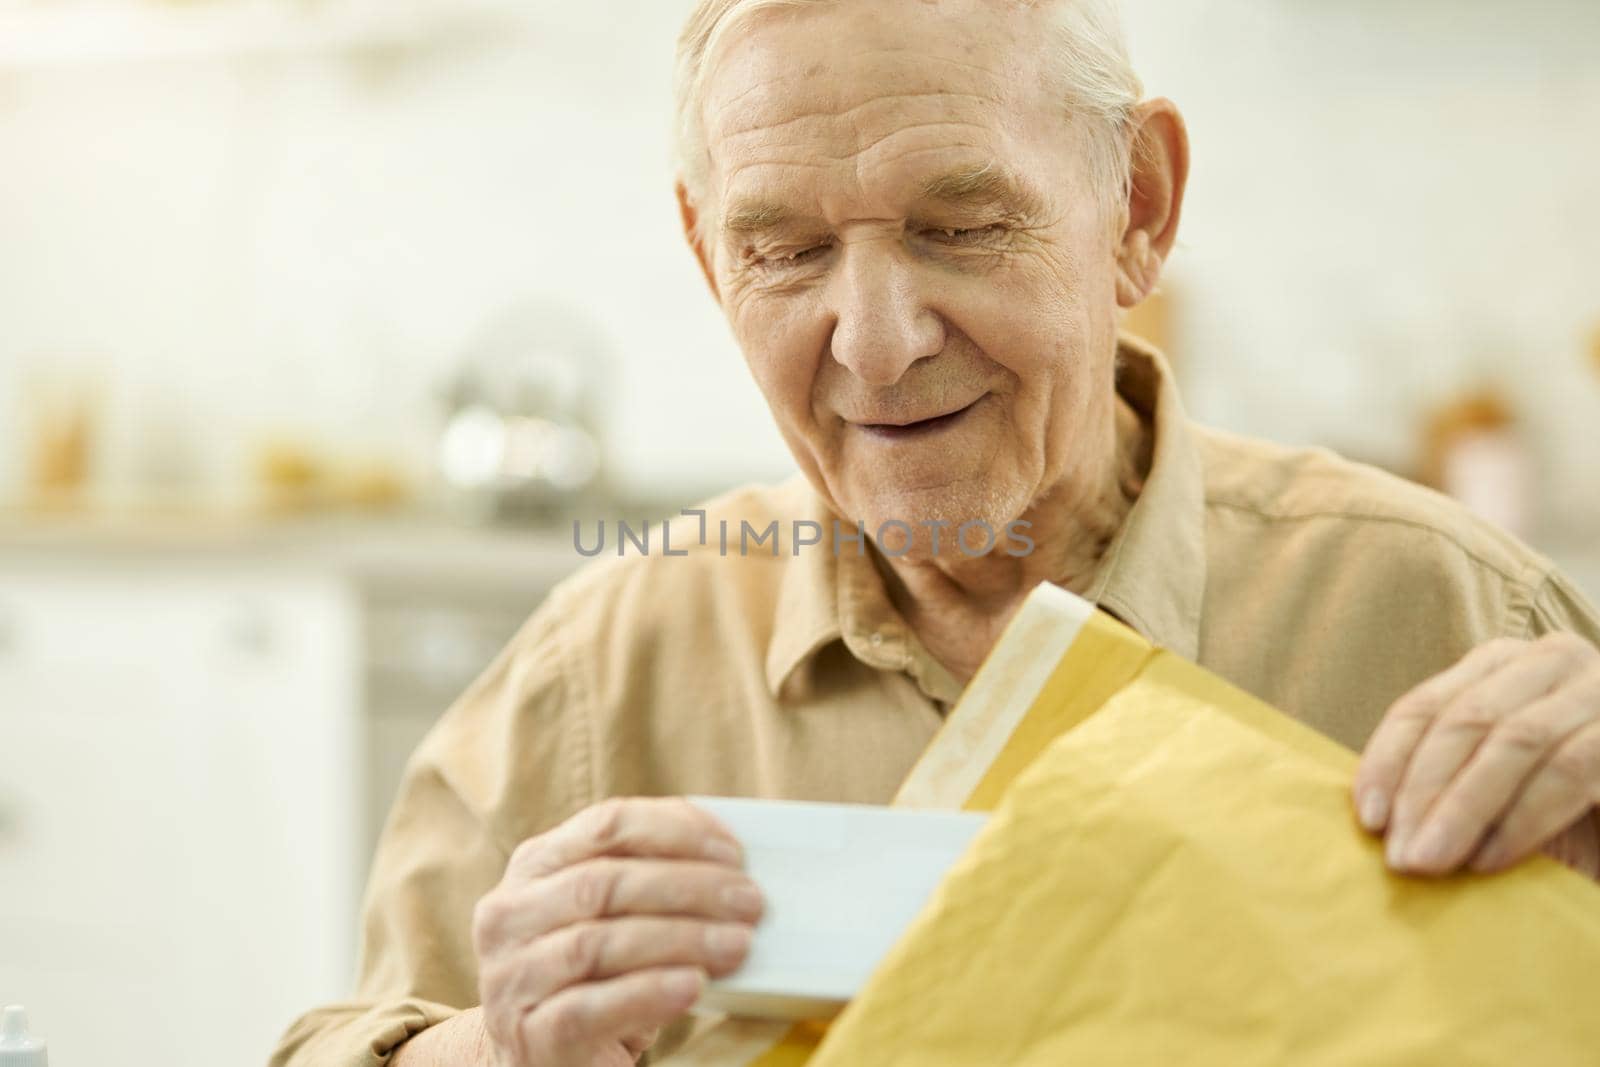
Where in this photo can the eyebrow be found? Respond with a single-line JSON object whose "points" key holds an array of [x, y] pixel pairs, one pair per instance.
{"points": [[755, 218], [983, 184]]}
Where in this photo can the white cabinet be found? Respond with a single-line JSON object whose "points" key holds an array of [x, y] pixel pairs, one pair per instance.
{"points": [[179, 806]]}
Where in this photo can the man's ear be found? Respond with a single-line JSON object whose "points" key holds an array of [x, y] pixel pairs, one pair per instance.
{"points": [[1157, 174], [691, 232]]}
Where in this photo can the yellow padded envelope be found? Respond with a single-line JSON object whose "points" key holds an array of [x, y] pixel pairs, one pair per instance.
{"points": [[1178, 878], [1173, 875]]}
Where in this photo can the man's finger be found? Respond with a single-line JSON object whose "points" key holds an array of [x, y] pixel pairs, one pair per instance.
{"points": [[665, 827], [1564, 789], [1421, 838], [1480, 795], [1387, 754], [580, 1026], [638, 1043], [594, 951], [1578, 847], [612, 886]]}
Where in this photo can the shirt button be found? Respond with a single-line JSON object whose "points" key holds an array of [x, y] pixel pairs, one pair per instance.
{"points": [[877, 640]]}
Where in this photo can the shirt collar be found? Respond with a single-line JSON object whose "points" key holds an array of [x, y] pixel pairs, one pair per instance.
{"points": [[1152, 575], [807, 612], [833, 592]]}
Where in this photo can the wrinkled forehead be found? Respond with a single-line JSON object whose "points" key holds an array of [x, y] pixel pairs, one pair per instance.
{"points": [[867, 98]]}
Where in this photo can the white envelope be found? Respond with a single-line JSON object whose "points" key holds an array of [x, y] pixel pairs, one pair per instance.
{"points": [[842, 882]]}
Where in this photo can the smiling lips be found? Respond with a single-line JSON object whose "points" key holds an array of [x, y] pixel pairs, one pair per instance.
{"points": [[904, 431]]}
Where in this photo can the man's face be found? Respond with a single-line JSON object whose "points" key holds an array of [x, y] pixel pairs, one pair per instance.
{"points": [[905, 237]]}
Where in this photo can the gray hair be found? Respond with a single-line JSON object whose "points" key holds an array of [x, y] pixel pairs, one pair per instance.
{"points": [[1090, 56]]}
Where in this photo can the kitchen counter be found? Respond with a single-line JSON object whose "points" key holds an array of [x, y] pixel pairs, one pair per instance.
{"points": [[405, 550]]}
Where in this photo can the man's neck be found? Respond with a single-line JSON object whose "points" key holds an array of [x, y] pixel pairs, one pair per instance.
{"points": [[958, 606]]}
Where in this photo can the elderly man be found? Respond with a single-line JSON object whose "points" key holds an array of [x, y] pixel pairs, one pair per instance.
{"points": [[921, 218]]}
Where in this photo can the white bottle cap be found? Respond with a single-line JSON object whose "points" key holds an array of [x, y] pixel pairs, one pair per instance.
{"points": [[17, 1048]]}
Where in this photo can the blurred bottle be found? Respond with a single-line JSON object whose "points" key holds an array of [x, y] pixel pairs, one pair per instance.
{"points": [[60, 420], [1474, 452], [18, 1048]]}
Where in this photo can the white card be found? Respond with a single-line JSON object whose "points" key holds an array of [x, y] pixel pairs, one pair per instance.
{"points": [[842, 883]]}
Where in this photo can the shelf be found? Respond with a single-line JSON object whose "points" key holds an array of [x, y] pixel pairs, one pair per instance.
{"points": [[51, 33]]}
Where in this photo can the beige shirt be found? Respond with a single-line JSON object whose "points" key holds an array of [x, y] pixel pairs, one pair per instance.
{"points": [[1323, 587]]}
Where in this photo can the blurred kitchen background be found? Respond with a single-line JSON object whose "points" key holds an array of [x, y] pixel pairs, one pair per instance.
{"points": [[318, 320]]}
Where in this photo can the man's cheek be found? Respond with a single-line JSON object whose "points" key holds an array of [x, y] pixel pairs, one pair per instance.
{"points": [[782, 384]]}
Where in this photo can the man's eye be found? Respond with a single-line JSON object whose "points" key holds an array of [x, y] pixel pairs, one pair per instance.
{"points": [[954, 235], [788, 258], [804, 254]]}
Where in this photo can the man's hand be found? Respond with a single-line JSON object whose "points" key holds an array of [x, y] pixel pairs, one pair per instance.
{"points": [[603, 930], [1494, 759]]}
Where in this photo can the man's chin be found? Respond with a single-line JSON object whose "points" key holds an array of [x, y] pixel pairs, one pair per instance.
{"points": [[924, 525]]}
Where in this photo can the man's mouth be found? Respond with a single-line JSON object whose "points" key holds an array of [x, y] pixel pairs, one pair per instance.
{"points": [[905, 431]]}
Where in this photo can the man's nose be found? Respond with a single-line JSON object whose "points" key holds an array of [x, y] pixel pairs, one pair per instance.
{"points": [[882, 325]]}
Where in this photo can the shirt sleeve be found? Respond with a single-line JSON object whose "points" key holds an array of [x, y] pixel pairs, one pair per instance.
{"points": [[507, 761], [1558, 607]]}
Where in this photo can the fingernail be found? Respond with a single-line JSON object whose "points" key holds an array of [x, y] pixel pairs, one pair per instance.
{"points": [[1374, 809], [728, 942], [1428, 849], [1394, 852], [683, 985], [720, 850], [743, 900]]}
